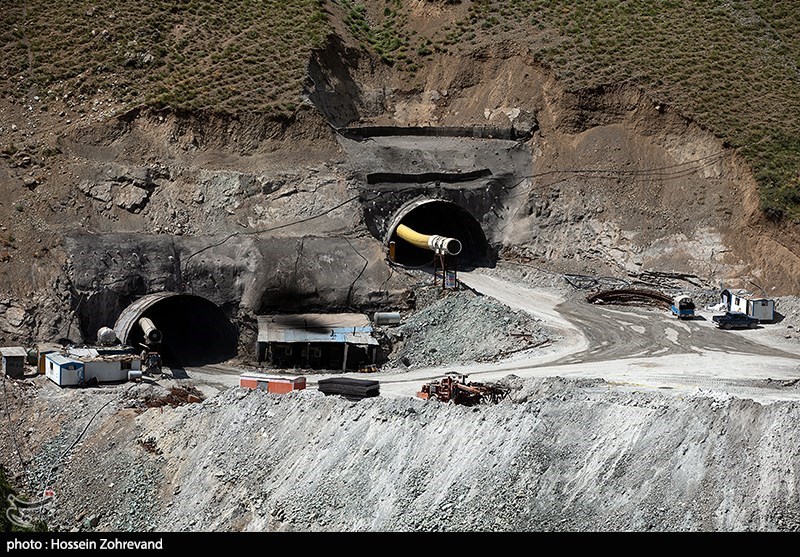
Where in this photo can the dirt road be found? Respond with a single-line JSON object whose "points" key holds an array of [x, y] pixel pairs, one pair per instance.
{"points": [[647, 347], [639, 346], [666, 442]]}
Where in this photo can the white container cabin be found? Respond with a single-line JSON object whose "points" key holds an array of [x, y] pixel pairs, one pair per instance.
{"points": [[63, 370], [746, 302]]}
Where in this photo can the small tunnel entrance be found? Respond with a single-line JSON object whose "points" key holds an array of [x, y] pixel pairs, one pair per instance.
{"points": [[195, 331], [445, 219]]}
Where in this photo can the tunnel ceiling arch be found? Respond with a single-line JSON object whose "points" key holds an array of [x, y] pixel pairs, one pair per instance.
{"points": [[195, 330], [441, 217]]}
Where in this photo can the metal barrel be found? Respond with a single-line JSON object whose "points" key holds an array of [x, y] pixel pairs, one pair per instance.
{"points": [[433, 242], [151, 334], [386, 317]]}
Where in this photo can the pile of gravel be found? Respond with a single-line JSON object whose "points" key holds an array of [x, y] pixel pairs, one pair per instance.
{"points": [[461, 328], [789, 308]]}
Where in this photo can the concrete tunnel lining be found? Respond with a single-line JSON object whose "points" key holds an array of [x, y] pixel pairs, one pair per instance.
{"points": [[442, 217], [195, 330]]}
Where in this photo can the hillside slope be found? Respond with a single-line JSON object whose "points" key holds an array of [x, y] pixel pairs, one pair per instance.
{"points": [[256, 155], [560, 455], [218, 126]]}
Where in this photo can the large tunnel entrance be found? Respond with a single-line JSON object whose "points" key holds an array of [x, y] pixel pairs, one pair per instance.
{"points": [[194, 330], [443, 218]]}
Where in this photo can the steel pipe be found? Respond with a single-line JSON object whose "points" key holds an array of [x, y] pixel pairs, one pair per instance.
{"points": [[151, 334], [433, 242]]}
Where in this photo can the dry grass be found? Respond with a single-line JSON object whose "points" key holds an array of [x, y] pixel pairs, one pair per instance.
{"points": [[236, 56], [731, 66]]}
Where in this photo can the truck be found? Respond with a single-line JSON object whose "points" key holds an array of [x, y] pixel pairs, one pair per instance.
{"points": [[683, 307], [735, 320]]}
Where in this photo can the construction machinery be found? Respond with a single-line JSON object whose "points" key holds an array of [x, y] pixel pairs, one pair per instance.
{"points": [[151, 334], [455, 388], [445, 251], [151, 359], [683, 307], [433, 242]]}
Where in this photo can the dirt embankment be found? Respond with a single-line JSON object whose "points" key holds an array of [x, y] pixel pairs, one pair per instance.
{"points": [[558, 455], [621, 182]]}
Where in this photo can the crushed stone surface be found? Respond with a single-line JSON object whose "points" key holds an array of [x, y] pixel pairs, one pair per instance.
{"points": [[461, 327], [557, 455]]}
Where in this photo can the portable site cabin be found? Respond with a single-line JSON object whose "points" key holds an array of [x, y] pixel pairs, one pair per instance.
{"points": [[13, 360], [272, 383], [43, 350], [746, 302], [316, 341], [63, 370], [107, 365]]}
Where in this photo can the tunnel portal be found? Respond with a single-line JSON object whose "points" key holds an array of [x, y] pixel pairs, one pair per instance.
{"points": [[443, 218], [195, 330]]}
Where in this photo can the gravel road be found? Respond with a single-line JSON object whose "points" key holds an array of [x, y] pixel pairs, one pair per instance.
{"points": [[627, 420]]}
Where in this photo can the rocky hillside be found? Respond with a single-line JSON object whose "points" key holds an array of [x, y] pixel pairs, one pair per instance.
{"points": [[259, 156], [193, 147]]}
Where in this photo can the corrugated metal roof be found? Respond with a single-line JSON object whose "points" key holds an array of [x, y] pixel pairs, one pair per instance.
{"points": [[265, 377], [747, 295], [13, 352], [755, 298], [60, 359], [360, 338], [83, 352], [93, 354], [350, 328]]}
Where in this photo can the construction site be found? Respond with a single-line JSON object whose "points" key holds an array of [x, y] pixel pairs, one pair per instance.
{"points": [[467, 303]]}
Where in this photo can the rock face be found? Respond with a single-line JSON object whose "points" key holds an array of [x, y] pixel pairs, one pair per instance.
{"points": [[240, 274], [599, 182]]}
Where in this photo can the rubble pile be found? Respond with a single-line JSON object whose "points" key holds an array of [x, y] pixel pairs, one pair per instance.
{"points": [[558, 455], [462, 328]]}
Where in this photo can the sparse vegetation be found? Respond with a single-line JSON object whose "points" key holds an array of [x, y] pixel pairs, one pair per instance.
{"points": [[731, 66], [235, 57], [386, 34]]}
